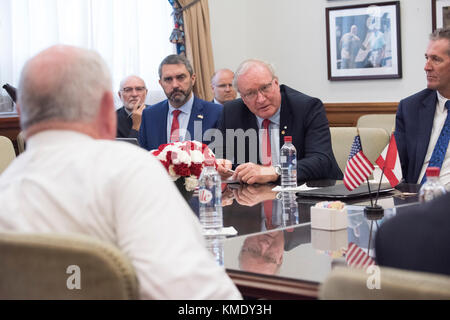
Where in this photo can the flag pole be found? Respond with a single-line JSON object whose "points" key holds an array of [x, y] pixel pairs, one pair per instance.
{"points": [[379, 185], [367, 179], [384, 166]]}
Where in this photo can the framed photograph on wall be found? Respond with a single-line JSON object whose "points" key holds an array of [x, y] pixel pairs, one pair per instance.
{"points": [[363, 41], [441, 14]]}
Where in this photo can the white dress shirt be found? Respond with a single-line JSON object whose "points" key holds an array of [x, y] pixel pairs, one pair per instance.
{"points": [[67, 182], [183, 119], [438, 123]]}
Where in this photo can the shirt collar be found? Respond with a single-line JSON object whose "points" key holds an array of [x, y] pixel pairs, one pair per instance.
{"points": [[185, 108], [441, 101], [127, 111], [275, 118]]}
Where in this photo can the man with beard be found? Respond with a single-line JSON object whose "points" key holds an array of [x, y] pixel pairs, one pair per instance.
{"points": [[182, 116], [132, 93]]}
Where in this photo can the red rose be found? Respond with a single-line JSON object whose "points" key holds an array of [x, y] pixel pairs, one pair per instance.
{"points": [[182, 169]]}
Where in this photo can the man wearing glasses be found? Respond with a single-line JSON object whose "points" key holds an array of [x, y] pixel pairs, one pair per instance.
{"points": [[132, 92], [269, 111]]}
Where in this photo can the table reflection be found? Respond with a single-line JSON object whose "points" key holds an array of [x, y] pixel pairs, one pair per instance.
{"points": [[304, 253], [214, 244]]}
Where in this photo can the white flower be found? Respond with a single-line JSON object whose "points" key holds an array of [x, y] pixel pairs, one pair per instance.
{"points": [[190, 183], [182, 157], [197, 156], [172, 173]]}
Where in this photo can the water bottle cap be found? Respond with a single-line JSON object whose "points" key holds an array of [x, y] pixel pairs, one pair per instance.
{"points": [[433, 172], [288, 139]]}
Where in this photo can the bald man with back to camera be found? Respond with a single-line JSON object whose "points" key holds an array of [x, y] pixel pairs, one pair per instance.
{"points": [[74, 179]]}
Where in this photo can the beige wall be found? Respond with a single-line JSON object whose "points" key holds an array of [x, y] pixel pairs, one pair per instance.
{"points": [[291, 34]]}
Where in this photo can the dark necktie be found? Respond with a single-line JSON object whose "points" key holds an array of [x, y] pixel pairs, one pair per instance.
{"points": [[175, 130], [266, 150], [440, 149]]}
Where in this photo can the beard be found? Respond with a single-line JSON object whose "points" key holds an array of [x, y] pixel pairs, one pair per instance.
{"points": [[179, 97]]}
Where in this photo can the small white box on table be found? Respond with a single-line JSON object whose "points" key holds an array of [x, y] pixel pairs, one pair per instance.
{"points": [[328, 218]]}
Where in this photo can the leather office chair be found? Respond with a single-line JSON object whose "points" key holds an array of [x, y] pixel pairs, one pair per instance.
{"points": [[7, 153], [385, 121], [395, 284], [373, 141], [44, 266], [21, 142]]}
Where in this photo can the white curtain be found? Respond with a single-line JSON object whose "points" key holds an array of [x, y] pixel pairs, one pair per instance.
{"points": [[131, 35]]}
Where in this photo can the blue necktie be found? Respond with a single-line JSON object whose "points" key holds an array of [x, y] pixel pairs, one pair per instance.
{"points": [[440, 149]]}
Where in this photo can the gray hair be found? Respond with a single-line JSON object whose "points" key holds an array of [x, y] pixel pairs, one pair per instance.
{"points": [[176, 59], [247, 64], [443, 33], [72, 94], [124, 80]]}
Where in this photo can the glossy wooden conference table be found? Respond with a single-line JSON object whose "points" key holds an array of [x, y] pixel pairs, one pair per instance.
{"points": [[288, 259]]}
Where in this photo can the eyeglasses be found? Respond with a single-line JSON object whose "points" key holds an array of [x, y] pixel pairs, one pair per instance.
{"points": [[251, 95], [257, 253], [138, 89], [224, 85]]}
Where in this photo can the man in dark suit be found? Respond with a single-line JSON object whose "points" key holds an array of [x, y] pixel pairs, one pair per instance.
{"points": [[281, 111], [418, 239], [182, 116], [132, 92], [422, 116]]}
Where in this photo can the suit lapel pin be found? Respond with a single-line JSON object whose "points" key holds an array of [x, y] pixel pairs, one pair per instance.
{"points": [[283, 132], [200, 116], [285, 127]]}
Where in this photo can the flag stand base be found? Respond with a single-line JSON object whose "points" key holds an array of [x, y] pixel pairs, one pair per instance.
{"points": [[374, 213]]}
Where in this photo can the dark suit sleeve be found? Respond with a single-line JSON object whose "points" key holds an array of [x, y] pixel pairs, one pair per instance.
{"points": [[416, 238], [219, 144], [400, 139], [142, 132], [318, 161]]}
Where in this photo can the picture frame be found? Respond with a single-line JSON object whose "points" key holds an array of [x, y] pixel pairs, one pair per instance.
{"points": [[440, 10], [363, 41]]}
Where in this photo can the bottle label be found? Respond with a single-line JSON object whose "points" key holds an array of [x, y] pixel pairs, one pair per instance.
{"points": [[205, 196]]}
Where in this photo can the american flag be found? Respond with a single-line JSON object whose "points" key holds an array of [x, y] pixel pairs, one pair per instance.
{"points": [[357, 257], [358, 167]]}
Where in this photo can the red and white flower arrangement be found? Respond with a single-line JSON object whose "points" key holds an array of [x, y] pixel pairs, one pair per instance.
{"points": [[184, 159]]}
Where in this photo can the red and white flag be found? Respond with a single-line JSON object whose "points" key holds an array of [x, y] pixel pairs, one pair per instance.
{"points": [[358, 167], [357, 257], [389, 162]]}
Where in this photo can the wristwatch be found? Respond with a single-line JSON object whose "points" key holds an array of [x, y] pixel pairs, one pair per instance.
{"points": [[278, 170]]}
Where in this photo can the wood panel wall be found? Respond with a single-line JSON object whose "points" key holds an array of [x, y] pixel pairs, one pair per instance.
{"points": [[347, 114]]}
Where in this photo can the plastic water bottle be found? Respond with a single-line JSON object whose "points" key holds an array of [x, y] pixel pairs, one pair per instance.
{"points": [[214, 244], [290, 209], [210, 199], [432, 188], [288, 163]]}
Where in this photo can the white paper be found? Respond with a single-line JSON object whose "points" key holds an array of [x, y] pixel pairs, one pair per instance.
{"points": [[303, 187]]}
